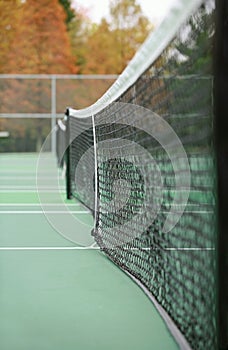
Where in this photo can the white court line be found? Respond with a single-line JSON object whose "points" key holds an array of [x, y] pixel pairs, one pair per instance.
{"points": [[31, 187], [189, 211], [50, 248], [71, 211], [173, 248], [78, 204], [32, 191], [92, 247], [24, 178], [26, 172], [42, 212], [194, 248], [39, 204]]}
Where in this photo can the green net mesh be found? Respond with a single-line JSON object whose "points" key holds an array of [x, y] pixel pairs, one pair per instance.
{"points": [[153, 150]]}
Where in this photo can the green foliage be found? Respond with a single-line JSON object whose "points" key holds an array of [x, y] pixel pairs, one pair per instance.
{"points": [[195, 48], [70, 13], [111, 44], [80, 29]]}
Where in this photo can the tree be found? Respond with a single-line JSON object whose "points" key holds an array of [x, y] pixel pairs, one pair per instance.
{"points": [[193, 51], [111, 45], [80, 29], [41, 43], [130, 28], [101, 55], [70, 13], [10, 14]]}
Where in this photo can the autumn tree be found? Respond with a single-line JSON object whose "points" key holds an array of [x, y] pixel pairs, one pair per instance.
{"points": [[41, 43], [112, 44], [101, 57], [130, 28], [10, 14]]}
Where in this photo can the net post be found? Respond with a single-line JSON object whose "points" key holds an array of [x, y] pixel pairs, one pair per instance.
{"points": [[53, 112], [68, 178]]}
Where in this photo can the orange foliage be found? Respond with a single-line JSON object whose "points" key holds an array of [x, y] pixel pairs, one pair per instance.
{"points": [[100, 56], [110, 46], [10, 13], [41, 43]]}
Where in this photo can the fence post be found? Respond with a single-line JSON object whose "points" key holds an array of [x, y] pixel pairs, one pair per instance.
{"points": [[53, 112]]}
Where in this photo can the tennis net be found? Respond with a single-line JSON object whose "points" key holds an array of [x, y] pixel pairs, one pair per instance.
{"points": [[142, 158]]}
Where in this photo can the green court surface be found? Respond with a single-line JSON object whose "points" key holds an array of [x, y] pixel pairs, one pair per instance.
{"points": [[55, 295]]}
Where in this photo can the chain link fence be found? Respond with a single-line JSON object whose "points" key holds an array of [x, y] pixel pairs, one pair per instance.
{"points": [[31, 104]]}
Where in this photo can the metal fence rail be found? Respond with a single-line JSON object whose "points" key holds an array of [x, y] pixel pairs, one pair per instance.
{"points": [[45, 96]]}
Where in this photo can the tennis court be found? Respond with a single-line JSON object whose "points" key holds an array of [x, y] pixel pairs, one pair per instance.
{"points": [[118, 241], [55, 296]]}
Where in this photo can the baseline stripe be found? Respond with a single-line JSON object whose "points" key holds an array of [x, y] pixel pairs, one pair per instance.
{"points": [[42, 212], [38, 204], [32, 191], [49, 248], [23, 177], [32, 187], [92, 247]]}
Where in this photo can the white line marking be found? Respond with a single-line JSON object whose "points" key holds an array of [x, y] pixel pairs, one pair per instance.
{"points": [[190, 212], [24, 178], [42, 212], [31, 191], [173, 248], [39, 205], [93, 248], [26, 172], [78, 204], [50, 248], [194, 248], [32, 187]]}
